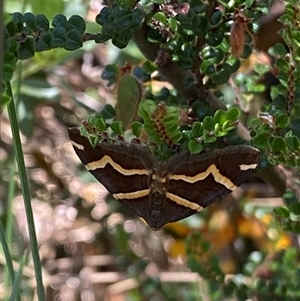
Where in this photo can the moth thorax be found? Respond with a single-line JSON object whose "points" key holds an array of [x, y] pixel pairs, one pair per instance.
{"points": [[159, 179]]}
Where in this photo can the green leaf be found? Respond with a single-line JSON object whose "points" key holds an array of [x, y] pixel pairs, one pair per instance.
{"points": [[219, 131], [261, 140], [201, 110], [108, 112], [231, 66], [201, 25], [11, 29], [197, 129], [220, 116], [296, 227], [293, 143], [279, 50], [110, 73], [59, 37], [103, 37], [278, 144], [77, 23], [255, 87], [208, 123], [195, 147], [8, 71], [208, 67], [97, 121], [60, 20], [215, 39], [282, 212], [216, 17], [73, 40], [94, 140], [282, 121], [102, 18], [272, 160], [30, 21], [221, 77], [296, 38], [27, 49], [42, 22], [160, 17], [295, 208], [282, 64], [145, 108], [117, 127], [233, 114], [100, 124], [149, 67], [121, 40], [44, 42], [18, 18], [5, 100], [136, 128], [209, 139], [137, 17], [228, 126], [129, 95]]}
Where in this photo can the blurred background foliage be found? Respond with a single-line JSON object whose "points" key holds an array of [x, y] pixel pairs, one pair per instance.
{"points": [[91, 247]]}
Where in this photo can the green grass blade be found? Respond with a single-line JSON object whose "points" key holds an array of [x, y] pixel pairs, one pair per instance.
{"points": [[26, 196], [9, 264], [16, 284], [9, 219]]}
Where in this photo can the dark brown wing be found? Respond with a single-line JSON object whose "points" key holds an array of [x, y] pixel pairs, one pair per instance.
{"points": [[199, 180], [121, 167]]}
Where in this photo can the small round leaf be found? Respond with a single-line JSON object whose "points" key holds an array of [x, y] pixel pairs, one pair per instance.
{"points": [[278, 144], [282, 212], [117, 127]]}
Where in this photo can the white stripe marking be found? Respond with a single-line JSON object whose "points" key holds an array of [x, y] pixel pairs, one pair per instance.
{"points": [[183, 202], [131, 195], [79, 146], [108, 160], [247, 166], [212, 169]]}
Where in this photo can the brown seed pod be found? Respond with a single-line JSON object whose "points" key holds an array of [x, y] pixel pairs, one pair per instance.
{"points": [[238, 33]]}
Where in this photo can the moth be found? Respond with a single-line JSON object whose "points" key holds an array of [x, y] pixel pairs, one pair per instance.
{"points": [[164, 192]]}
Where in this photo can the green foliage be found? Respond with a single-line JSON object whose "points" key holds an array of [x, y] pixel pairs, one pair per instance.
{"points": [[100, 122], [283, 271], [289, 216], [161, 124], [274, 135], [284, 281], [110, 74], [118, 24], [34, 34], [212, 128]]}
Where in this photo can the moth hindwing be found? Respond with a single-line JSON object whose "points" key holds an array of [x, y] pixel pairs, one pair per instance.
{"points": [[164, 192]]}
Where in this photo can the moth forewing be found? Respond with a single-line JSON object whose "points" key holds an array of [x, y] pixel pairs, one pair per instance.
{"points": [[205, 178], [120, 168]]}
